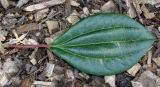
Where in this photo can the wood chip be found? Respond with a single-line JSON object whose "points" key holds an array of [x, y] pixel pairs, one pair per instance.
{"points": [[86, 11], [50, 55], [41, 14], [27, 82], [109, 7], [70, 75], [52, 26], [2, 37], [149, 58], [110, 80], [3, 79], [84, 75], [136, 84], [29, 42], [137, 7], [131, 11], [75, 3], [30, 16], [73, 18], [146, 12], [44, 5], [132, 71], [157, 61], [21, 3], [33, 56], [152, 2], [95, 11], [49, 69], [27, 27], [43, 83], [5, 3]]}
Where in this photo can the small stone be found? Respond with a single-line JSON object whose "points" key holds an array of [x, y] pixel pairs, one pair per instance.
{"points": [[136, 84], [73, 18], [110, 80], [108, 7], [52, 26], [10, 67], [148, 79], [132, 71]]}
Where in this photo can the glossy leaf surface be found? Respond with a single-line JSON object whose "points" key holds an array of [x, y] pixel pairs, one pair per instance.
{"points": [[103, 44]]}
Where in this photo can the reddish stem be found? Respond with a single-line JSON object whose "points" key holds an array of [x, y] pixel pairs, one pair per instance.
{"points": [[28, 46]]}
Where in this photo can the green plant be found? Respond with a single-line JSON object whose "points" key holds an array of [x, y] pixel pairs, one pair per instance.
{"points": [[103, 44]]}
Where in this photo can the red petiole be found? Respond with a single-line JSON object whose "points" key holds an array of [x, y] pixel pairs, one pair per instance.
{"points": [[27, 46]]}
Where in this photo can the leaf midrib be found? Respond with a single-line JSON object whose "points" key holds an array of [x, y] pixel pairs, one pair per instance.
{"points": [[117, 27], [110, 42], [86, 57]]}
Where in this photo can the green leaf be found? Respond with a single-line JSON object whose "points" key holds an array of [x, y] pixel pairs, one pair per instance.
{"points": [[103, 44]]}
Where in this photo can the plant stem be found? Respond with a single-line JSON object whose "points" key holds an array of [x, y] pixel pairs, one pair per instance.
{"points": [[27, 46]]}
